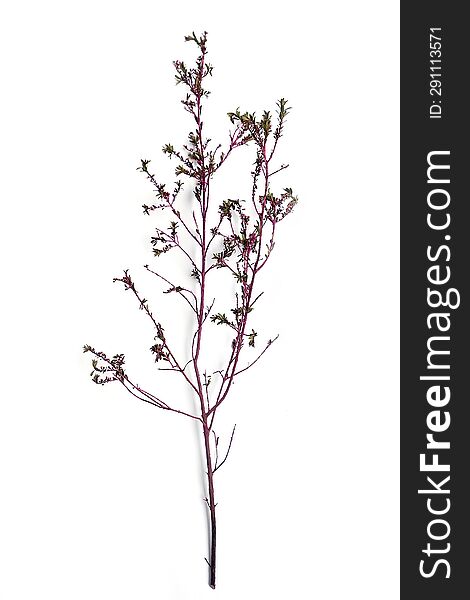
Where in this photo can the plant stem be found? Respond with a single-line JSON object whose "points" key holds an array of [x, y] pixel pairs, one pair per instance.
{"points": [[204, 204], [240, 239], [211, 504]]}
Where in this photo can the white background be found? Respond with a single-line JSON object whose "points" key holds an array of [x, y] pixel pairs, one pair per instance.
{"points": [[101, 496]]}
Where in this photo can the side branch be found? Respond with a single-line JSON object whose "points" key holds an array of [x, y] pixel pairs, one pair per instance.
{"points": [[129, 285], [177, 288], [163, 195], [270, 342], [113, 371], [217, 466]]}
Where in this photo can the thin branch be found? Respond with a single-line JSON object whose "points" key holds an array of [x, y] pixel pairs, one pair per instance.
{"points": [[196, 224], [149, 398], [281, 168], [176, 370], [234, 143], [228, 450], [208, 310], [169, 204], [179, 291], [216, 440], [257, 297], [134, 389], [270, 342], [127, 281]]}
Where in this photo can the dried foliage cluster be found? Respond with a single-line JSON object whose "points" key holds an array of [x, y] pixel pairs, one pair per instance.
{"points": [[235, 235]]}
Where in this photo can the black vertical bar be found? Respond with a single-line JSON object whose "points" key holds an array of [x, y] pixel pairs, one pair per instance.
{"points": [[448, 130]]}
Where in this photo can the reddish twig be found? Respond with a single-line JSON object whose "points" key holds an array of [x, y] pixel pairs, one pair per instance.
{"points": [[217, 466]]}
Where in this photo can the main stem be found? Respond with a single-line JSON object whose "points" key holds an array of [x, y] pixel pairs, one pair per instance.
{"points": [[211, 503], [205, 425], [200, 320], [204, 410]]}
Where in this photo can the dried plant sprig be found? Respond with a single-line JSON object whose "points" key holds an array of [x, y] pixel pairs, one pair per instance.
{"points": [[237, 237]]}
